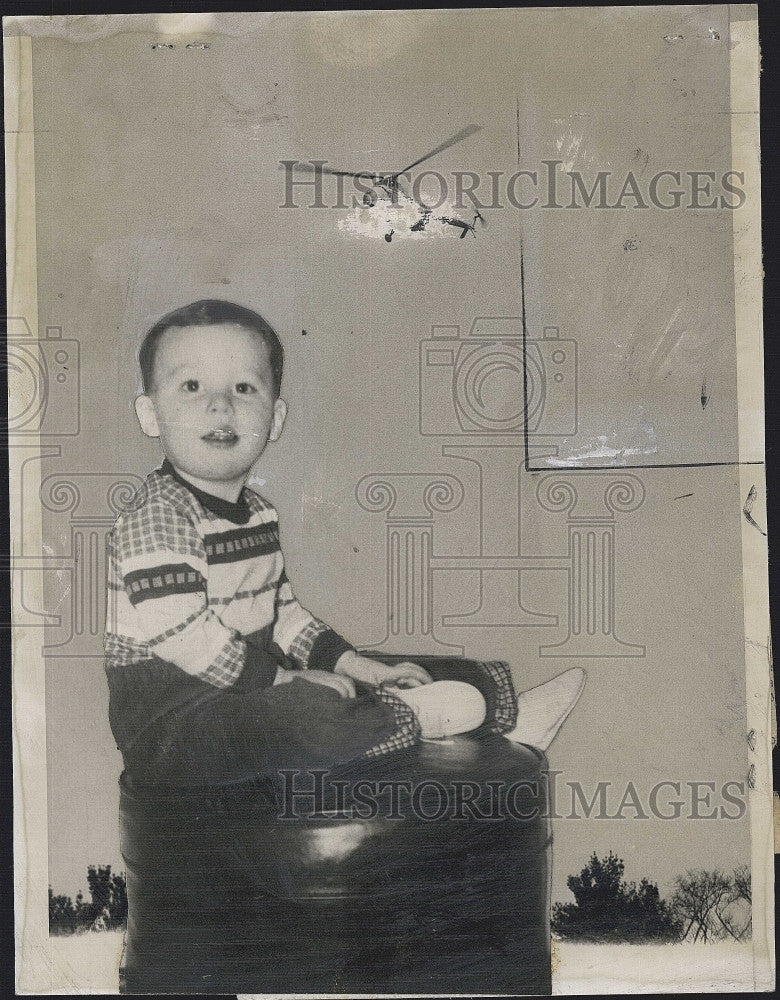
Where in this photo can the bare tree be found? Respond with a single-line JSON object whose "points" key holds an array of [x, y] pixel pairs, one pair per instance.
{"points": [[710, 905], [742, 884], [696, 900], [736, 917]]}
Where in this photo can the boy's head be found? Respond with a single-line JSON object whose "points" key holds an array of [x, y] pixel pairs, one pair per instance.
{"points": [[211, 376], [210, 312]]}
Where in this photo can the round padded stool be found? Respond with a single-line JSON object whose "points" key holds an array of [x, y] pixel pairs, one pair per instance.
{"points": [[436, 881]]}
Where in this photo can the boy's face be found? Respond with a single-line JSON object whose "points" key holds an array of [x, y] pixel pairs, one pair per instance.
{"points": [[212, 404]]}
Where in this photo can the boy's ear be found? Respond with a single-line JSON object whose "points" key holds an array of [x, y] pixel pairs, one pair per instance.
{"points": [[280, 412], [147, 418]]}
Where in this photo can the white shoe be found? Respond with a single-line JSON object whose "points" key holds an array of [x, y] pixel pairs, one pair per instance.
{"points": [[543, 710], [444, 708]]}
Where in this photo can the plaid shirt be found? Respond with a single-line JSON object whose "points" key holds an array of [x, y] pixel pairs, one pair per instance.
{"points": [[191, 577]]}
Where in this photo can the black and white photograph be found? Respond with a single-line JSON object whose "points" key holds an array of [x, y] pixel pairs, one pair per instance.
{"points": [[388, 503]]}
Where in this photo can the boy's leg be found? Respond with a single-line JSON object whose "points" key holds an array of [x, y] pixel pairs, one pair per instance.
{"points": [[492, 678], [174, 729], [534, 717]]}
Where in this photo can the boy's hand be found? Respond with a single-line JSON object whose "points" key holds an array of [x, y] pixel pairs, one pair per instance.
{"points": [[362, 668], [344, 686]]}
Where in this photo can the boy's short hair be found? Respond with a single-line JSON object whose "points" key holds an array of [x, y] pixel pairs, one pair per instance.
{"points": [[209, 312]]}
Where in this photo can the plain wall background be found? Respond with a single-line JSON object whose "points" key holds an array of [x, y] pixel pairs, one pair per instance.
{"points": [[157, 182]]}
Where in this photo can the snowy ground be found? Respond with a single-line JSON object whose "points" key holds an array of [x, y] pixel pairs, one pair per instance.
{"points": [[88, 963], [657, 968]]}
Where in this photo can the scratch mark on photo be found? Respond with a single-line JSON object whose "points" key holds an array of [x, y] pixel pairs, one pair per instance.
{"points": [[748, 507]]}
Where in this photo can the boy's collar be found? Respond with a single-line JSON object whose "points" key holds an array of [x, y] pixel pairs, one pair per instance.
{"points": [[238, 512]]}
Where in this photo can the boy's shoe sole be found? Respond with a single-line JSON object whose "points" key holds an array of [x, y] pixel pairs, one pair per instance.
{"points": [[444, 708]]}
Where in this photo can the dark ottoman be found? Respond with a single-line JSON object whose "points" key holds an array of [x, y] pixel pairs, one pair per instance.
{"points": [[426, 871]]}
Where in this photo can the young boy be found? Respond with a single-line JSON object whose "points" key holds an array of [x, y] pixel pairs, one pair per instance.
{"points": [[216, 673]]}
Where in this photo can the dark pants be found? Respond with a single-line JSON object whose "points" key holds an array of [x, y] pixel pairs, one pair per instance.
{"points": [[175, 729]]}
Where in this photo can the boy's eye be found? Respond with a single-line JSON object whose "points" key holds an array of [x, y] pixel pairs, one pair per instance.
{"points": [[244, 388], [191, 385]]}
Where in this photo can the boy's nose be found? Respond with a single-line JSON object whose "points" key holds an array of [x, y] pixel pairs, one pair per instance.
{"points": [[220, 402]]}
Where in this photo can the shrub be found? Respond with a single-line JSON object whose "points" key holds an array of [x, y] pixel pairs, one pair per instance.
{"points": [[608, 909], [107, 909]]}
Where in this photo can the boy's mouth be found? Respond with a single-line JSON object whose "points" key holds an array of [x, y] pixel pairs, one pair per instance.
{"points": [[221, 435]]}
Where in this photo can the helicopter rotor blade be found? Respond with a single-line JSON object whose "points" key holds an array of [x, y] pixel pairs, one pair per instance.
{"points": [[309, 168], [458, 137]]}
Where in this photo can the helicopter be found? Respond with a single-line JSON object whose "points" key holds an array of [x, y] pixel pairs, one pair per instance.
{"points": [[387, 187], [449, 220]]}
